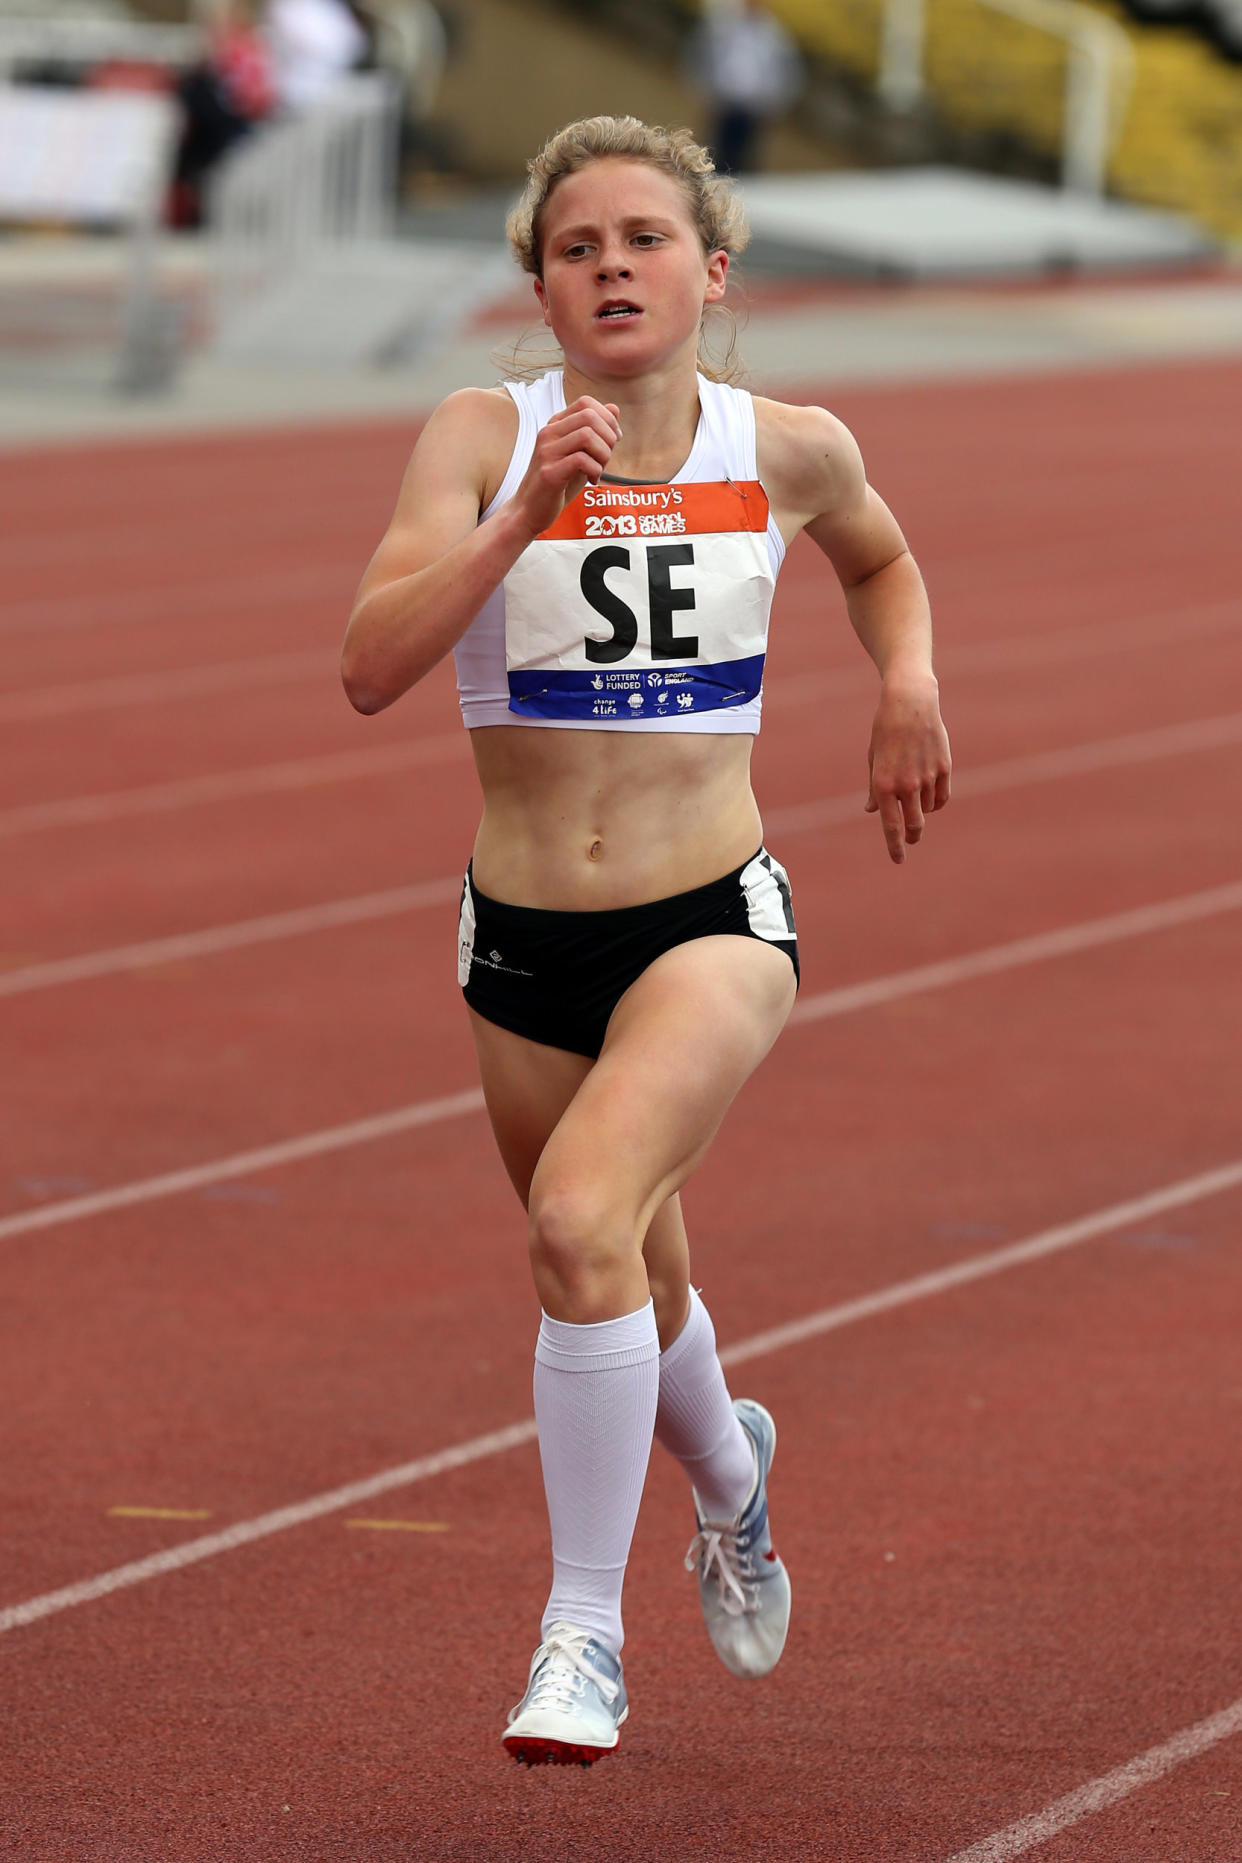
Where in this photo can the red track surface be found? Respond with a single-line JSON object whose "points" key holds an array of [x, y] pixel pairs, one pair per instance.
{"points": [[1011, 1511]]}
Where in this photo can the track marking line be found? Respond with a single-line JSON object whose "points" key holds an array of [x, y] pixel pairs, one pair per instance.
{"points": [[304, 663], [160, 1513], [1039, 766], [243, 932], [1029, 1833], [241, 1164], [232, 785], [498, 1442], [400, 1526], [1025, 650], [284, 588], [280, 1520], [1038, 948], [995, 1261], [367, 907], [959, 658], [987, 962], [1196, 734], [90, 695]]}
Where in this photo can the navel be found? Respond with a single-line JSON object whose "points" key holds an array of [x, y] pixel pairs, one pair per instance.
{"points": [[596, 849]]}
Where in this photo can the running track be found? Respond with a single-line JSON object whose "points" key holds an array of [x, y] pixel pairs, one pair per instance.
{"points": [[257, 1250]]}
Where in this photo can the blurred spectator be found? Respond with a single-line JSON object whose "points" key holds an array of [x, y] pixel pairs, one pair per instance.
{"points": [[313, 43], [221, 99], [750, 69]]}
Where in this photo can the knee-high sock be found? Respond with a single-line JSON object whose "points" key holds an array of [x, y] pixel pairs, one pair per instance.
{"points": [[595, 1401], [696, 1421]]}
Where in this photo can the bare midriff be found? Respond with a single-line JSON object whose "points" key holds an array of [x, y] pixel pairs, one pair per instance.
{"points": [[582, 821]]}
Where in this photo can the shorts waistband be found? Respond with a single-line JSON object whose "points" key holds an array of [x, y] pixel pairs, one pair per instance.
{"points": [[726, 885]]}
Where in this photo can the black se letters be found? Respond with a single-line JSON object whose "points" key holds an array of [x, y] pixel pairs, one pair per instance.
{"points": [[663, 601]]}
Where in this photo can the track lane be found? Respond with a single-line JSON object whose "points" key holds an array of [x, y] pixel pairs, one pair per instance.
{"points": [[203, 1275], [188, 1072], [261, 1720], [976, 1462]]}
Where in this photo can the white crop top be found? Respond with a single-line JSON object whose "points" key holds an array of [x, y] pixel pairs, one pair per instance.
{"points": [[644, 607]]}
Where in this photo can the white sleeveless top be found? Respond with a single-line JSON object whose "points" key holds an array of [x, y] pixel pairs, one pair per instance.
{"points": [[644, 607]]}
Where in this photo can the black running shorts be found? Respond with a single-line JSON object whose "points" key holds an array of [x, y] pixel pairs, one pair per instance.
{"points": [[556, 977]]}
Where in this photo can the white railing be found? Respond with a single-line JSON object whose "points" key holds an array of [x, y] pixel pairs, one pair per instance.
{"points": [[1099, 75], [321, 180]]}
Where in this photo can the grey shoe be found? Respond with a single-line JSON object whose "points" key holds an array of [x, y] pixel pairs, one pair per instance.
{"points": [[743, 1587], [574, 1702]]}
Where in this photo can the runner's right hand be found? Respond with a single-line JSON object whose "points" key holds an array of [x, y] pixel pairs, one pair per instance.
{"points": [[572, 449]]}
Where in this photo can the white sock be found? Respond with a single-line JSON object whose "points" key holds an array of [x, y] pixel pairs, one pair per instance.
{"points": [[595, 1400], [696, 1421]]}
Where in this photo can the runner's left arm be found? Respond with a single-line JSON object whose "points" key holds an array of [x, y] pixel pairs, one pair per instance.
{"points": [[821, 476]]}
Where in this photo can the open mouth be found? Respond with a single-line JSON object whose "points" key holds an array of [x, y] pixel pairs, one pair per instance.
{"points": [[618, 312]]}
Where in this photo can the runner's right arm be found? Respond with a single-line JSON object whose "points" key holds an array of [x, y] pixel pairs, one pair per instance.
{"points": [[437, 564]]}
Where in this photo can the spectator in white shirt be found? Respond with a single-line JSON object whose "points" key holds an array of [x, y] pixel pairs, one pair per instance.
{"points": [[314, 43]]}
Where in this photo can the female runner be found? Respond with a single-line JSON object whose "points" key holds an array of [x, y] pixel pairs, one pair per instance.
{"points": [[600, 549]]}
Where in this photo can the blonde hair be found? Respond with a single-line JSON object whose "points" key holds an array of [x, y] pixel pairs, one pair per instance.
{"points": [[716, 212]]}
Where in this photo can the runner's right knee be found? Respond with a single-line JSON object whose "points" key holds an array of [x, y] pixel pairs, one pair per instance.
{"points": [[583, 1249]]}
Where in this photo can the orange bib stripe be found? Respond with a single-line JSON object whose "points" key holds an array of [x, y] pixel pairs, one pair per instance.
{"points": [[693, 510]]}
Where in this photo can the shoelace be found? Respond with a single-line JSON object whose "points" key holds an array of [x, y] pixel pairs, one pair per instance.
{"points": [[714, 1550], [562, 1676]]}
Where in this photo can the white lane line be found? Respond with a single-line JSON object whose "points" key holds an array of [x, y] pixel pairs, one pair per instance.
{"points": [[215, 938], [783, 689], [1197, 734], [246, 1532], [1038, 948], [245, 1163], [1025, 650], [796, 819], [231, 785], [1042, 766], [997, 1261], [904, 1293], [90, 695], [994, 958], [325, 583], [1028, 1833]]}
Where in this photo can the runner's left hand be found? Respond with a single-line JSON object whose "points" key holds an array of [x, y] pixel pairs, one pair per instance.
{"points": [[909, 761]]}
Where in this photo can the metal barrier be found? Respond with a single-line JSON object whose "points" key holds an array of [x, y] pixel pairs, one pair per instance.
{"points": [[1099, 75], [302, 188], [308, 270]]}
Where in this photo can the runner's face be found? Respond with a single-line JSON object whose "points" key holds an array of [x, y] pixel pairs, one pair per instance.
{"points": [[625, 277]]}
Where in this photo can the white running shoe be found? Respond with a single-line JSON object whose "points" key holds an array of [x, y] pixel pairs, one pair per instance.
{"points": [[574, 1702], [743, 1587]]}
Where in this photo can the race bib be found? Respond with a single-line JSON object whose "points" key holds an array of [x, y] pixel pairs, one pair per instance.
{"points": [[643, 601]]}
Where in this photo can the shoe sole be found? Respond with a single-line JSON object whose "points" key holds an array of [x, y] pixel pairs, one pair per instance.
{"points": [[530, 1750]]}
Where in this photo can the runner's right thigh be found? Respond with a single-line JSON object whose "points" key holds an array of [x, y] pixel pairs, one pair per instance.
{"points": [[528, 1088]]}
